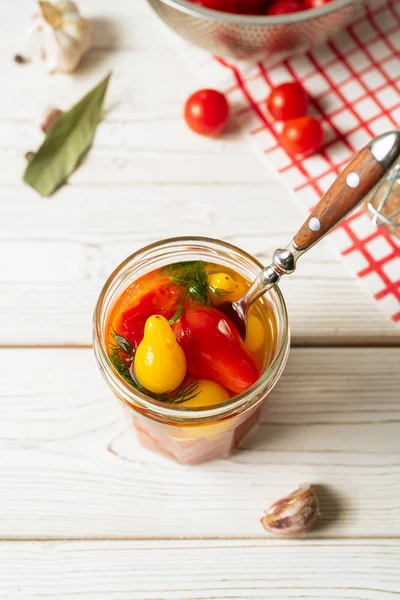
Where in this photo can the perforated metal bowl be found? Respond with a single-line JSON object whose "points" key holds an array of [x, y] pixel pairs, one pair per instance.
{"points": [[241, 36]]}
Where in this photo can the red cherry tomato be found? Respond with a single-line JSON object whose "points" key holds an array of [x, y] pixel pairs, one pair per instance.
{"points": [[302, 136], [287, 101], [230, 6], [252, 7], [214, 349], [163, 300], [315, 3], [284, 7], [206, 112]]}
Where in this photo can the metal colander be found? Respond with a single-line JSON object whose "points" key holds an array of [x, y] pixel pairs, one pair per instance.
{"points": [[241, 36]]}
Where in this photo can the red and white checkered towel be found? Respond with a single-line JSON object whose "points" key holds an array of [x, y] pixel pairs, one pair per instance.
{"points": [[354, 83]]}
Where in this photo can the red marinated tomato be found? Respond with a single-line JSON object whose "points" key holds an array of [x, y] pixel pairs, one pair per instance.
{"points": [[284, 7], [287, 101], [315, 3], [214, 349], [230, 6], [206, 112], [162, 300], [252, 7], [302, 136]]}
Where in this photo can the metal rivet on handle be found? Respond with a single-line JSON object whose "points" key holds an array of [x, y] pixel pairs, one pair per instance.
{"points": [[314, 224], [353, 180]]}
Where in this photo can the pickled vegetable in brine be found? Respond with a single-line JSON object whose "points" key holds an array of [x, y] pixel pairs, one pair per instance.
{"points": [[167, 338]]}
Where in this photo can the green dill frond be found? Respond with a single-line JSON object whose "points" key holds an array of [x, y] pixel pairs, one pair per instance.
{"points": [[180, 395], [177, 315], [218, 292], [121, 356], [191, 277], [123, 343], [121, 366]]}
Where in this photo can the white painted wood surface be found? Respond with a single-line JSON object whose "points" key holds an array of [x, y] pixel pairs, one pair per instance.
{"points": [[332, 421], [59, 252], [70, 466], [193, 570]]}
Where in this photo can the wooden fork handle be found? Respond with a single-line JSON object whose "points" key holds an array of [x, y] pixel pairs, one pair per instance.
{"points": [[348, 190]]}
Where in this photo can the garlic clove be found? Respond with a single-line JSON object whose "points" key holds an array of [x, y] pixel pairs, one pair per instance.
{"points": [[51, 54], [64, 40], [33, 41], [66, 7], [58, 36], [73, 30], [293, 515], [51, 14], [49, 117], [70, 52]]}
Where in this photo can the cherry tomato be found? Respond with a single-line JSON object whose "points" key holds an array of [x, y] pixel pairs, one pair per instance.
{"points": [[214, 349], [163, 301], [316, 3], [251, 7], [206, 112], [284, 7], [230, 6], [287, 101], [302, 136]]}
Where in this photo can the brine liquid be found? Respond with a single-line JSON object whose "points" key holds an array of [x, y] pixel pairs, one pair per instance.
{"points": [[157, 292]]}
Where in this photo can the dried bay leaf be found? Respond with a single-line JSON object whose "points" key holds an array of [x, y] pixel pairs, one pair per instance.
{"points": [[66, 142]]}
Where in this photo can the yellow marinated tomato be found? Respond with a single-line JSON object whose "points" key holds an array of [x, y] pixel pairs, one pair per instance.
{"points": [[208, 393], [255, 334], [233, 288], [239, 290], [160, 364], [221, 281]]}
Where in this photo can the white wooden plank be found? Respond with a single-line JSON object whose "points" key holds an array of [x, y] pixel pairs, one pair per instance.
{"points": [[71, 465], [117, 24], [152, 83], [140, 86], [200, 570], [58, 252], [134, 161]]}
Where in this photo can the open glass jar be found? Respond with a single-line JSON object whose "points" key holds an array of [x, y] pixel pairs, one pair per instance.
{"points": [[196, 434]]}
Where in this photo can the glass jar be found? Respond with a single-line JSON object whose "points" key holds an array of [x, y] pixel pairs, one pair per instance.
{"points": [[383, 203], [190, 435]]}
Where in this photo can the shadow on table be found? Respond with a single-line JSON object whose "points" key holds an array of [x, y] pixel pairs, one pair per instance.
{"points": [[106, 36], [241, 119], [331, 506]]}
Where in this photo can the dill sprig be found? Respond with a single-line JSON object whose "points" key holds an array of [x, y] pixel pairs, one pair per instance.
{"points": [[192, 278], [177, 315], [182, 394], [219, 292], [122, 355]]}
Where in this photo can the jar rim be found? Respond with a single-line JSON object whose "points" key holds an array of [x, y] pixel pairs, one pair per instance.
{"points": [[178, 413]]}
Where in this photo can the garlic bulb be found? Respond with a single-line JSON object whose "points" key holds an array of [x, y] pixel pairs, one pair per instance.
{"points": [[58, 36]]}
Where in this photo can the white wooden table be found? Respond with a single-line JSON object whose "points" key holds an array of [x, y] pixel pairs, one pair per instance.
{"points": [[85, 512]]}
